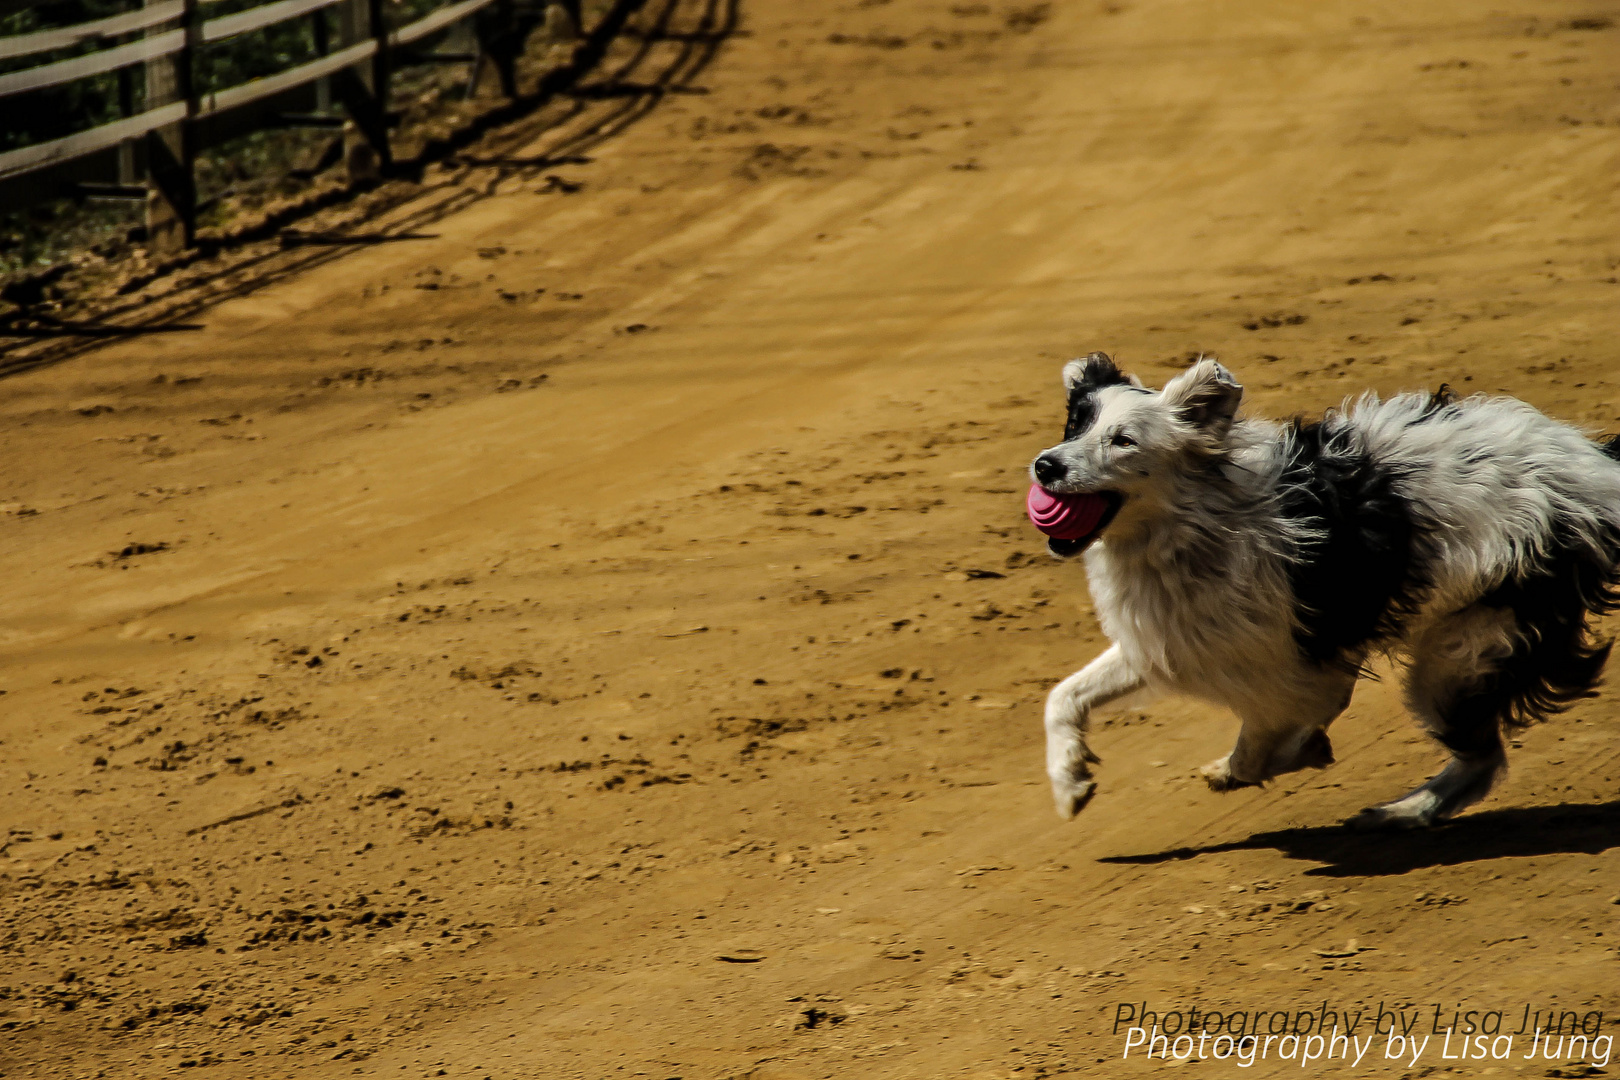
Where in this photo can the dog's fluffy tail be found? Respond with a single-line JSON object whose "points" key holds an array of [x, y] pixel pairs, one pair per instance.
{"points": [[1558, 660]]}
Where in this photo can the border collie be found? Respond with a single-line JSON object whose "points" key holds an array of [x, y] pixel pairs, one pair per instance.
{"points": [[1260, 565]]}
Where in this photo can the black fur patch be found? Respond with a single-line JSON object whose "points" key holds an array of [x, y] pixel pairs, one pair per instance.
{"points": [[1362, 579], [1557, 662], [1100, 371], [1439, 402]]}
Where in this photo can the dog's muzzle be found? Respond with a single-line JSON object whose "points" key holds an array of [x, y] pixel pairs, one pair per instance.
{"points": [[1049, 469]]}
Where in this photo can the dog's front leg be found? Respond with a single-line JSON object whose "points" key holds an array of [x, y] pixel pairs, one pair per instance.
{"points": [[1286, 740], [1068, 712]]}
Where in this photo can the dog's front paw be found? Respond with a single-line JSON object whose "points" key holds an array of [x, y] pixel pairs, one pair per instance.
{"points": [[1071, 796], [1218, 775]]}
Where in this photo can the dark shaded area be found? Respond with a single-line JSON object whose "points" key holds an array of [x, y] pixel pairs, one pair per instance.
{"points": [[542, 161], [1515, 833], [91, 330], [716, 21], [293, 238]]}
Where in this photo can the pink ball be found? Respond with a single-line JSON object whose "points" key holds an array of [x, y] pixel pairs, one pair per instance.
{"points": [[1065, 517]]}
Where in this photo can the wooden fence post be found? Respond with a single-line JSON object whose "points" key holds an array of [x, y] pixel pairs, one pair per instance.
{"points": [[499, 41], [171, 200], [126, 109], [382, 61], [576, 18], [364, 91]]}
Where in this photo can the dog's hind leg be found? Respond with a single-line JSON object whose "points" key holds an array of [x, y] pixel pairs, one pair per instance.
{"points": [[1284, 733], [1068, 712], [1519, 655], [1458, 686]]}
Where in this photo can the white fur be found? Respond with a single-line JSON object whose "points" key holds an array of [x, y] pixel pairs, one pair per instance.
{"points": [[1191, 578]]}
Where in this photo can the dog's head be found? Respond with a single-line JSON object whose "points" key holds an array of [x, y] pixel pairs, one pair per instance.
{"points": [[1129, 444]]}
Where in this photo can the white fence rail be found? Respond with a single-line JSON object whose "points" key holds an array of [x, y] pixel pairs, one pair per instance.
{"points": [[68, 36], [160, 141]]}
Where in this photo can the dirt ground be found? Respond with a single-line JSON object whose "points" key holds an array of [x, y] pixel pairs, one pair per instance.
{"points": [[587, 637]]}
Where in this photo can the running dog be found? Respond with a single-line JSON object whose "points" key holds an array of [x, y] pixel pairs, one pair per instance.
{"points": [[1259, 565]]}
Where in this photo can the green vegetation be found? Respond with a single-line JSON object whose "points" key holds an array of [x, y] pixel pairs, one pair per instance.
{"points": [[266, 161]]}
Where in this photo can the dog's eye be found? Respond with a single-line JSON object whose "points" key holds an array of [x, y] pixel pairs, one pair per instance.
{"points": [[1122, 440]]}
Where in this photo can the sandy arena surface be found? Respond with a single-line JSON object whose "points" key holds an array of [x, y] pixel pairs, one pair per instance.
{"points": [[599, 637]]}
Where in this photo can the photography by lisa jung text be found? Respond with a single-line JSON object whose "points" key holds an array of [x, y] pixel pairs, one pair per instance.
{"points": [[1347, 1035]]}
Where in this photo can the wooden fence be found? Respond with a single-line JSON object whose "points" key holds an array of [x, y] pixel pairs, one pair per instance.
{"points": [[149, 154]]}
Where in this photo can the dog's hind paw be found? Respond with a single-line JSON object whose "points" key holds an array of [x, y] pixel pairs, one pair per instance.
{"points": [[1071, 796], [1417, 811], [1218, 775], [1317, 753]]}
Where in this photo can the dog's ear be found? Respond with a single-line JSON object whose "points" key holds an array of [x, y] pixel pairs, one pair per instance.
{"points": [[1082, 379], [1206, 396], [1094, 372]]}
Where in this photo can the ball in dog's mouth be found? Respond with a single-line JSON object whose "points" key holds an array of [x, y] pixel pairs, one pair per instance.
{"points": [[1071, 520]]}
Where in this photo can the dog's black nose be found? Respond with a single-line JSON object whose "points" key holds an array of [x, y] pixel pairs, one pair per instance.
{"points": [[1049, 468]]}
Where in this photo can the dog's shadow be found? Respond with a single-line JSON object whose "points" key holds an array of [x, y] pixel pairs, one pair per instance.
{"points": [[1590, 828]]}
